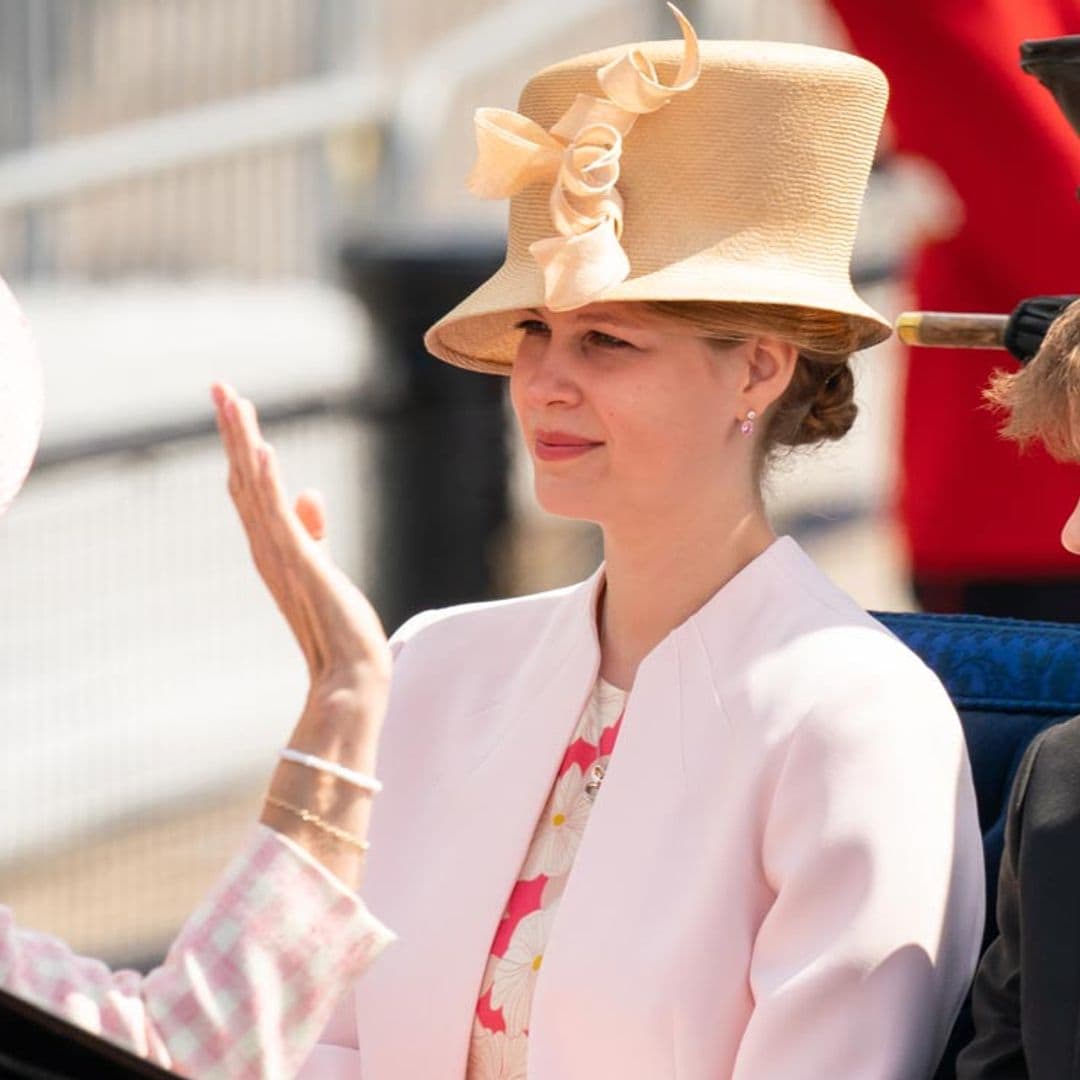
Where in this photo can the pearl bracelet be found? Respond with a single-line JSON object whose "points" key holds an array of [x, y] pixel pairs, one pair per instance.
{"points": [[322, 824], [349, 776]]}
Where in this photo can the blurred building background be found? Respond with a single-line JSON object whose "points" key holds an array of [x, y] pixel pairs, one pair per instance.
{"points": [[200, 189]]}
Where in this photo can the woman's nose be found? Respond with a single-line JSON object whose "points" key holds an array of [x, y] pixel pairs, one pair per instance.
{"points": [[550, 376], [1070, 535]]}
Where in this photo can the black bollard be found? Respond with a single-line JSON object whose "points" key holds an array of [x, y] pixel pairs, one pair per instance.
{"points": [[442, 455]]}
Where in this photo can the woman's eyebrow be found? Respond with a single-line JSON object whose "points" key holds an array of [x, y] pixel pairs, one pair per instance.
{"points": [[613, 320]]}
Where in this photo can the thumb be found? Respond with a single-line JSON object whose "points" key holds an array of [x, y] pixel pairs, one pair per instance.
{"points": [[311, 510]]}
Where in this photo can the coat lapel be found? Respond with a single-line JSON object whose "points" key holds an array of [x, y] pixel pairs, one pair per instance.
{"points": [[598, 1010], [597, 915], [458, 853]]}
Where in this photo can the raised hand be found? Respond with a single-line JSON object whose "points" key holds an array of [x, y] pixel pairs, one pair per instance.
{"points": [[338, 632], [336, 628]]}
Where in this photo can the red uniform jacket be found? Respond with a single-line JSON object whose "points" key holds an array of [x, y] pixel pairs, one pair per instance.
{"points": [[973, 505]]}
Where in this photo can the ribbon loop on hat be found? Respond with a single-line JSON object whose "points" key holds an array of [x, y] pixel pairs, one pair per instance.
{"points": [[632, 83], [582, 265], [588, 110], [580, 156], [512, 153]]}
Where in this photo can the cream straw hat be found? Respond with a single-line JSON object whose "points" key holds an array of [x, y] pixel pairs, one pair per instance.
{"points": [[20, 398], [725, 171]]}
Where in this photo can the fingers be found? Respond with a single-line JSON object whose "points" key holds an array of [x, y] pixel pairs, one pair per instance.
{"points": [[250, 438], [311, 510], [288, 540], [327, 615], [240, 455], [224, 403], [254, 480], [278, 515], [238, 423]]}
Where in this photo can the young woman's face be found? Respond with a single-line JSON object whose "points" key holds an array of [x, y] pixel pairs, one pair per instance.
{"points": [[627, 414]]}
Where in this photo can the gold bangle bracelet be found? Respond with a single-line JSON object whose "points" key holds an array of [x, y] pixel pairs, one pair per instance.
{"points": [[320, 823]]}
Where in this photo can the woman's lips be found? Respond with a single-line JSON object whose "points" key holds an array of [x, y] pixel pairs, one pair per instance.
{"points": [[558, 446]]}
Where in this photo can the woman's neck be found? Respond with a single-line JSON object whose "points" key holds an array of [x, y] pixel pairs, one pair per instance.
{"points": [[656, 579]]}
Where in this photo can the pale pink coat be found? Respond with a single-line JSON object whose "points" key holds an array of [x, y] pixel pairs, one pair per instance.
{"points": [[781, 878]]}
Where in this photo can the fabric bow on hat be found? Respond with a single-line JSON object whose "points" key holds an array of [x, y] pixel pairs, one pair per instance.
{"points": [[580, 157]]}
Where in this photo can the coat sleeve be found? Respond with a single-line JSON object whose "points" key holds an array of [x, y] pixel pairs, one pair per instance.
{"points": [[245, 988], [872, 850], [997, 1051]]}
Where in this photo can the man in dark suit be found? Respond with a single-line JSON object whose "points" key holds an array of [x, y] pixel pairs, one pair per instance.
{"points": [[1026, 998]]}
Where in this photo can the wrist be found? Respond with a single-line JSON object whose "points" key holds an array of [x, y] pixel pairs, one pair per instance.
{"points": [[342, 722], [360, 674], [359, 780], [324, 841], [354, 694]]}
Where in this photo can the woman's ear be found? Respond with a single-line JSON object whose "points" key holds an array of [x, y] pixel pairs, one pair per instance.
{"points": [[770, 368], [1070, 534]]}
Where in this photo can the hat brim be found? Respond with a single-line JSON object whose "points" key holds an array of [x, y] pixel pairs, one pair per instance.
{"points": [[480, 334]]}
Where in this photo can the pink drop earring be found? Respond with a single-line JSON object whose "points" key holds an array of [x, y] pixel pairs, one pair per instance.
{"points": [[747, 426]]}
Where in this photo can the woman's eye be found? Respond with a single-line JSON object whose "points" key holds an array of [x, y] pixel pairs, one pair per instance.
{"points": [[532, 326], [608, 341]]}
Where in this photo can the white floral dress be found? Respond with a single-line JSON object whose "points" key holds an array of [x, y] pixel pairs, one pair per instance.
{"points": [[500, 1032]]}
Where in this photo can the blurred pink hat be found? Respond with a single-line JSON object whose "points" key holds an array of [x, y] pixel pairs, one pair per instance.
{"points": [[20, 398]]}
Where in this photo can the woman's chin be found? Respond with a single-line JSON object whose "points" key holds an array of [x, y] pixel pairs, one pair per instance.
{"points": [[566, 500]]}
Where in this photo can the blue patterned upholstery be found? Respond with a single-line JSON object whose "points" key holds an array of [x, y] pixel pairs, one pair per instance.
{"points": [[1009, 679]]}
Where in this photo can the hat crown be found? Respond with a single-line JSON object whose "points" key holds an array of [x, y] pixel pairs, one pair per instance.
{"points": [[765, 159]]}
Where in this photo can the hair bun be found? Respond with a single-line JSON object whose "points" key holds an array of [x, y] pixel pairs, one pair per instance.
{"points": [[832, 409], [818, 405]]}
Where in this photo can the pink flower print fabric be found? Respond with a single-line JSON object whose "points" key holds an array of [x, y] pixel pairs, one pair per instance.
{"points": [[499, 1045]]}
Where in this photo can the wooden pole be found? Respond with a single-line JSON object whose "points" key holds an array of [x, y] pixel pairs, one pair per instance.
{"points": [[953, 331]]}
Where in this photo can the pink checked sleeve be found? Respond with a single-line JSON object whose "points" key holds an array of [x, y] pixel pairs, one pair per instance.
{"points": [[246, 987]]}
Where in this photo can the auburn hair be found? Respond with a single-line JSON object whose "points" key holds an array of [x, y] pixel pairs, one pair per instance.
{"points": [[819, 402], [1042, 400]]}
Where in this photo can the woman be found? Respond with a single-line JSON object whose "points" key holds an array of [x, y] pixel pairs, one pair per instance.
{"points": [[252, 977], [699, 816]]}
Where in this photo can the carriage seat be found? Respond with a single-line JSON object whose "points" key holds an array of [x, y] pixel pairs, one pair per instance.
{"points": [[1009, 679]]}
